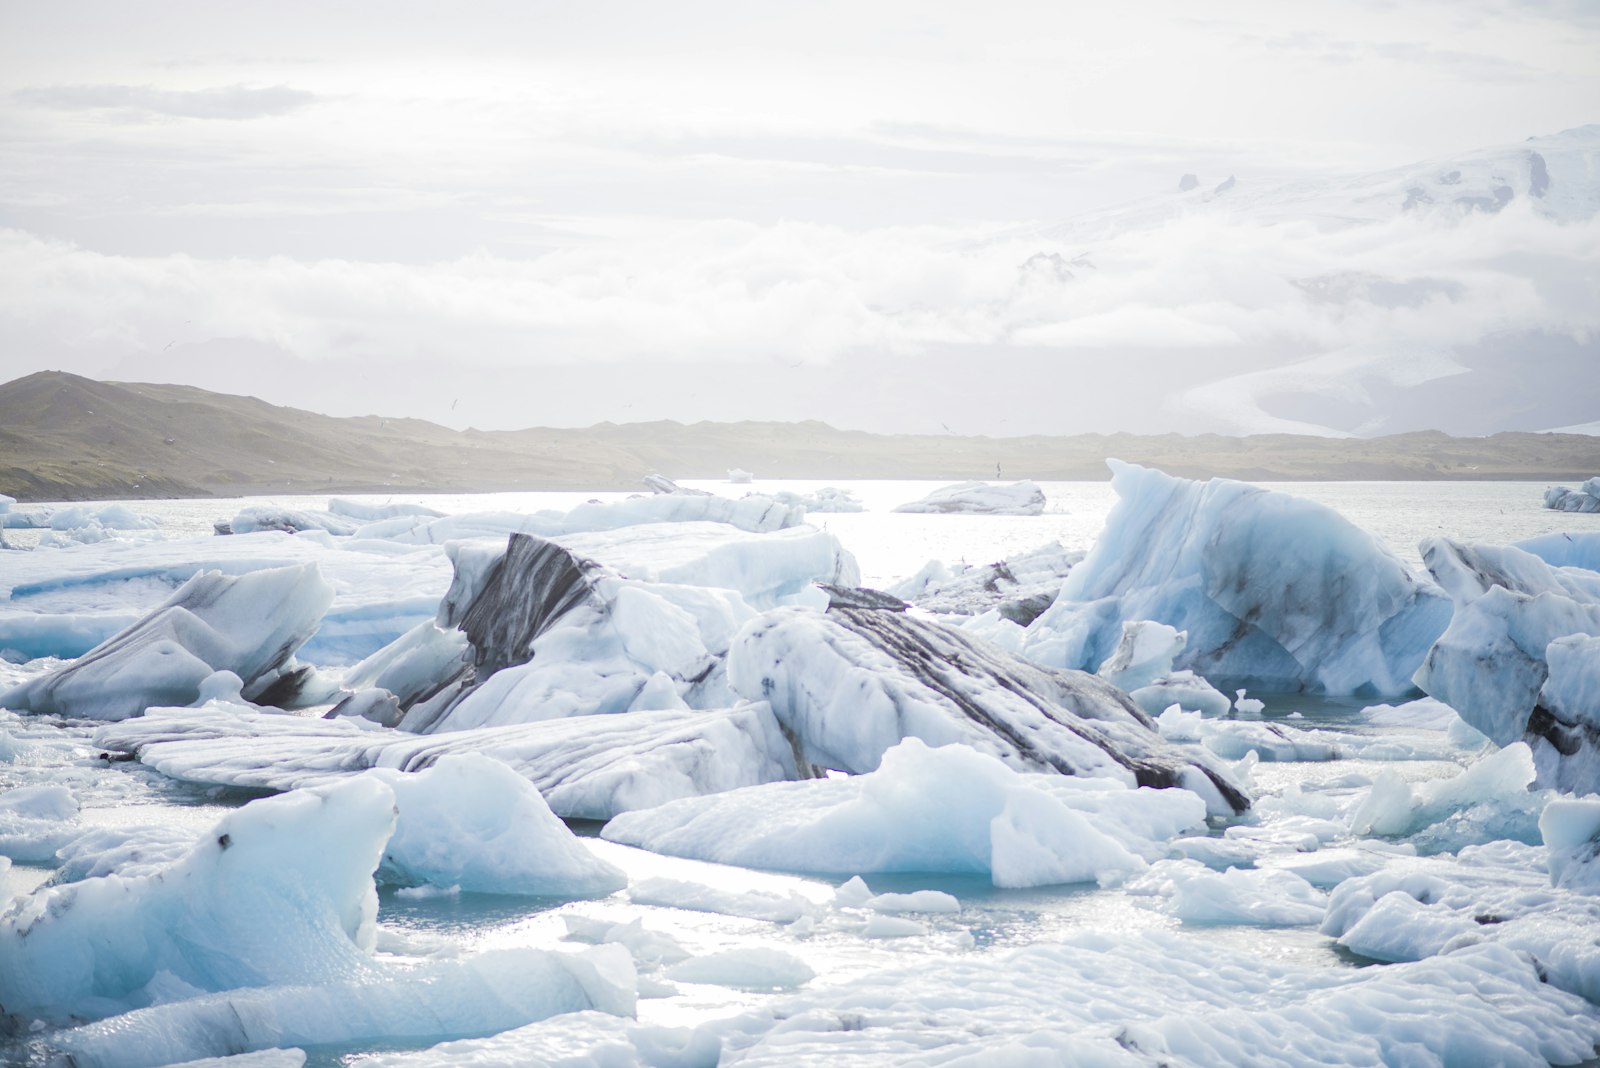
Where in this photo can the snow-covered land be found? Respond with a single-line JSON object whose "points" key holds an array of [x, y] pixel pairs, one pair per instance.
{"points": [[1131, 807]]}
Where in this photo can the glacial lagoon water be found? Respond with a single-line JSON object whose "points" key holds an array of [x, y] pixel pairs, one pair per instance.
{"points": [[1309, 797]]}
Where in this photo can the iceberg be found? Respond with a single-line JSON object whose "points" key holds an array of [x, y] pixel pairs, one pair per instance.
{"points": [[946, 809], [850, 684], [247, 627], [1275, 592], [1519, 661], [260, 517], [590, 767], [546, 631], [1585, 498], [980, 498], [1018, 589], [471, 822], [280, 891]]}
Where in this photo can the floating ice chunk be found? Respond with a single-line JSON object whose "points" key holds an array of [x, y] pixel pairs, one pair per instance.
{"points": [[651, 948], [1274, 591], [259, 517], [739, 475], [1018, 588], [1185, 689], [852, 683], [916, 901], [1247, 706], [1570, 828], [981, 498], [1144, 654], [108, 516], [1426, 714], [471, 822], [880, 926], [698, 897], [250, 625], [1259, 898], [590, 767], [1494, 664], [745, 968], [368, 511], [1494, 787], [477, 995], [35, 821], [1565, 499], [826, 499], [943, 810], [279, 892]]}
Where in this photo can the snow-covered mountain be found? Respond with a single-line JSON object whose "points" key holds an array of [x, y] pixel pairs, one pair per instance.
{"points": [[1460, 294]]}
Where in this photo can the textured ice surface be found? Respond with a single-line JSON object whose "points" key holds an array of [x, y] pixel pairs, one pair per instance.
{"points": [[36, 820], [981, 498], [550, 632], [590, 767], [249, 626], [851, 683], [948, 809], [1487, 800], [1570, 828], [1276, 592], [1017, 588], [1495, 894], [475, 995], [1586, 498], [1518, 660], [1267, 898]]}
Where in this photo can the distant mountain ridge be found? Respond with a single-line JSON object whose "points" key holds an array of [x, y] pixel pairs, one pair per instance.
{"points": [[64, 437]]}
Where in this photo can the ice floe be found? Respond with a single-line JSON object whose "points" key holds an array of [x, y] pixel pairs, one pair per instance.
{"points": [[591, 767]]}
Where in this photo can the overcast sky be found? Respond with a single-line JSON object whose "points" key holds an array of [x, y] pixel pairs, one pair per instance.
{"points": [[509, 214]]}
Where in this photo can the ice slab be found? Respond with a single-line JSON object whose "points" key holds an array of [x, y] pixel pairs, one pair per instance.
{"points": [[591, 767], [753, 514], [249, 626], [477, 995], [851, 683], [1275, 592], [948, 809], [980, 498]]}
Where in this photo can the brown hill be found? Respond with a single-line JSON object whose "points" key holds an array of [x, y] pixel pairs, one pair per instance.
{"points": [[63, 437]]}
